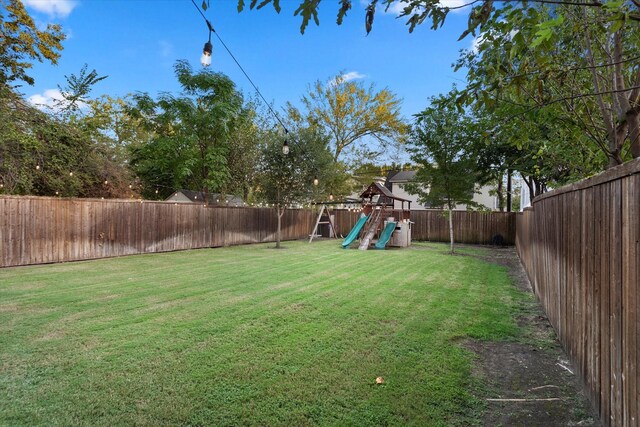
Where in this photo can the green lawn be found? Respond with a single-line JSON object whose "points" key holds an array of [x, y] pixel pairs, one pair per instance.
{"points": [[250, 335]]}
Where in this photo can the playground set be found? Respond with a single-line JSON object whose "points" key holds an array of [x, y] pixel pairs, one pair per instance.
{"points": [[379, 218]]}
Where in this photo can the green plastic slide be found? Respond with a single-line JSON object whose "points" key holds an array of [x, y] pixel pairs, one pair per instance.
{"points": [[386, 235], [353, 234]]}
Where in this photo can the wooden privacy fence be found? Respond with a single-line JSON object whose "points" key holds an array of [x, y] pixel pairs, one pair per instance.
{"points": [[580, 247], [39, 230], [468, 226], [35, 230]]}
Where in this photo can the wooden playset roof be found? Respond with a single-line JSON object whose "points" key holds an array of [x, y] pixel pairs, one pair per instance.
{"points": [[379, 189]]}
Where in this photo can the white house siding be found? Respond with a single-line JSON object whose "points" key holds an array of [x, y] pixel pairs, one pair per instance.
{"points": [[483, 198]]}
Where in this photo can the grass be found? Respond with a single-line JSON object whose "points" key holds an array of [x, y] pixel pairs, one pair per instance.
{"points": [[250, 336]]}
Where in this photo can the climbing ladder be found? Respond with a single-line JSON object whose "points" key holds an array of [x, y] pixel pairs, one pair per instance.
{"points": [[373, 224], [324, 217]]}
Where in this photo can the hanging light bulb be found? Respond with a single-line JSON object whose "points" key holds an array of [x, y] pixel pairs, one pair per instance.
{"points": [[330, 196], [106, 182], [205, 59], [315, 181], [70, 173], [37, 167], [156, 191], [285, 148]]}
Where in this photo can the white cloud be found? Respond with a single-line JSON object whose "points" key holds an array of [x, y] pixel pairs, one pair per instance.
{"points": [[352, 75], [455, 3], [396, 8], [347, 77], [53, 8], [51, 100]]}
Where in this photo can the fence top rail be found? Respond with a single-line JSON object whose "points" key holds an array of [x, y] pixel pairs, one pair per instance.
{"points": [[629, 168], [145, 201]]}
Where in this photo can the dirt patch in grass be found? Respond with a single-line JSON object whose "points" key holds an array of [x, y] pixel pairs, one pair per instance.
{"points": [[529, 383]]}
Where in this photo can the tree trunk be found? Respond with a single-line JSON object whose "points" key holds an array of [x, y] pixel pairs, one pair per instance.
{"points": [[634, 132], [451, 226], [500, 195], [279, 225], [509, 190]]}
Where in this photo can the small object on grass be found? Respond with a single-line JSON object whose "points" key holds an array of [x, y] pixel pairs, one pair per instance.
{"points": [[380, 380]]}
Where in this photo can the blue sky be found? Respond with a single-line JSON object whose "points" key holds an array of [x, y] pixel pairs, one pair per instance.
{"points": [[136, 43]]}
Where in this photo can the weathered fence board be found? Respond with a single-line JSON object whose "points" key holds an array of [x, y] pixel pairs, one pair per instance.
{"points": [[468, 226], [35, 230], [580, 246]]}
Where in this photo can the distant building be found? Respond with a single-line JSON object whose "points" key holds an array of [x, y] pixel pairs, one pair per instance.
{"points": [[525, 195], [396, 182], [213, 199]]}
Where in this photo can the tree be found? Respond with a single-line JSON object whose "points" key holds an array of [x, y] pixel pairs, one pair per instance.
{"points": [[580, 63], [76, 92], [418, 11], [190, 134], [43, 155], [439, 146], [606, 39], [22, 42], [544, 149], [354, 115], [287, 179], [244, 156]]}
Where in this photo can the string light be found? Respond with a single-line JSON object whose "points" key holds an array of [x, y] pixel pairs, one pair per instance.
{"points": [[205, 60], [208, 48], [315, 181], [37, 167], [106, 182], [330, 196], [70, 173]]}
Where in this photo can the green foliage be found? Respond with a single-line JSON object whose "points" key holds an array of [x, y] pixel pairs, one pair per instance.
{"points": [[22, 42], [77, 89], [544, 149], [287, 179], [355, 116], [243, 157], [42, 155], [565, 68], [190, 135], [440, 145]]}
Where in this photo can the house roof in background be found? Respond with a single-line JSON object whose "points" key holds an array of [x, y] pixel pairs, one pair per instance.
{"points": [[212, 198], [402, 176]]}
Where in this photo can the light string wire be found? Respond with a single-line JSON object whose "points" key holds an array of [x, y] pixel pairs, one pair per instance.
{"points": [[275, 114]]}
